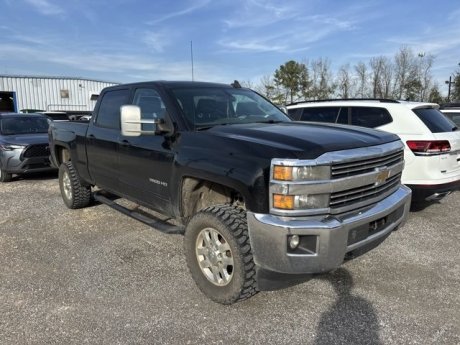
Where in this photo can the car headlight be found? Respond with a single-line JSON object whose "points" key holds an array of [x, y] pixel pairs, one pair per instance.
{"points": [[301, 173], [10, 147], [300, 202], [286, 175]]}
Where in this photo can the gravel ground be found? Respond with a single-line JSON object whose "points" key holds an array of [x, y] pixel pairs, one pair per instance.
{"points": [[95, 276]]}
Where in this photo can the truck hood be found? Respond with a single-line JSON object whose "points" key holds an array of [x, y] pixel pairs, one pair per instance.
{"points": [[25, 139], [303, 140]]}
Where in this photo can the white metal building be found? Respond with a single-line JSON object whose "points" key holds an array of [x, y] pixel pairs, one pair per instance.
{"points": [[19, 93]]}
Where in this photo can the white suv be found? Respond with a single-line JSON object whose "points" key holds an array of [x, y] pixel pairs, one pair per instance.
{"points": [[432, 141]]}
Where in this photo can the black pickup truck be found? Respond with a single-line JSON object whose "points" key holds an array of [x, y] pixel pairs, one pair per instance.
{"points": [[263, 200]]}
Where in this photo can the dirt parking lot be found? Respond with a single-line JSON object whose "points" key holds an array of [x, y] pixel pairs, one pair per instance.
{"points": [[95, 276]]}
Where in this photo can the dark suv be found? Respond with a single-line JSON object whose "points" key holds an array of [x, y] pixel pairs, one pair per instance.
{"points": [[23, 145]]}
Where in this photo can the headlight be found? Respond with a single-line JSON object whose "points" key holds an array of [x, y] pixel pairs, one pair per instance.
{"points": [[10, 147], [300, 202], [301, 173]]}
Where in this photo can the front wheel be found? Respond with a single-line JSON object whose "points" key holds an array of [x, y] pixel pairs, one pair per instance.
{"points": [[4, 176], [219, 255], [74, 194]]}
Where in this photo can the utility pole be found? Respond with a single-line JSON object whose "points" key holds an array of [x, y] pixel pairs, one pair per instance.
{"points": [[191, 58], [449, 82]]}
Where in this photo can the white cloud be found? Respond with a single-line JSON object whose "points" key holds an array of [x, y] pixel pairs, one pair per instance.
{"points": [[254, 46], [46, 7], [185, 11], [120, 66], [156, 40], [254, 14]]}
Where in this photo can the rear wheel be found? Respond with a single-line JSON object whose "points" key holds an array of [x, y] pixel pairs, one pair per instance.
{"points": [[74, 194], [4, 176], [219, 254]]}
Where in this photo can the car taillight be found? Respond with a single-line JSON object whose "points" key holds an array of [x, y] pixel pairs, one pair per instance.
{"points": [[428, 147]]}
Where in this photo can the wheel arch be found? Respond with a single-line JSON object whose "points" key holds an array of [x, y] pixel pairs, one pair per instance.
{"points": [[197, 194]]}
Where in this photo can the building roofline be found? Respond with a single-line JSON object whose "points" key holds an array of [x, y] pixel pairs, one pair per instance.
{"points": [[55, 77]]}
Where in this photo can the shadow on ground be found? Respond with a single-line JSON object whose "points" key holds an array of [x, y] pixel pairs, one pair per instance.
{"points": [[351, 319]]}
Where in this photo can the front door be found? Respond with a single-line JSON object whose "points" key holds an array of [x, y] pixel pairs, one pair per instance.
{"points": [[145, 162]]}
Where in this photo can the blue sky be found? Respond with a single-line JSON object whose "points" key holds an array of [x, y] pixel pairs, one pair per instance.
{"points": [[125, 41]]}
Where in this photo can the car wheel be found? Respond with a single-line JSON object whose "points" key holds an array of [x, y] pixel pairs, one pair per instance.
{"points": [[74, 194], [4, 176], [219, 256]]}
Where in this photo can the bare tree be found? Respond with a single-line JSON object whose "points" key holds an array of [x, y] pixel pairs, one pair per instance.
{"points": [[404, 67], [424, 65], [344, 81], [247, 83], [266, 86], [387, 78], [376, 65], [322, 84], [381, 76], [361, 71]]}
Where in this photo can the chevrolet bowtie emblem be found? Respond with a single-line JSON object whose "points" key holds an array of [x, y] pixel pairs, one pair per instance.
{"points": [[382, 176]]}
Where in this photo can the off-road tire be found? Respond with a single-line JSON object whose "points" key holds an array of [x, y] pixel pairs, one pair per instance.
{"points": [[4, 176], [230, 222], [74, 194]]}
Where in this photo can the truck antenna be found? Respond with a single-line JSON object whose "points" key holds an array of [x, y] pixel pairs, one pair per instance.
{"points": [[191, 58]]}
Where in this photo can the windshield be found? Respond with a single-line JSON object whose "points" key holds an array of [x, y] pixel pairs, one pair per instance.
{"points": [[23, 125], [209, 106]]}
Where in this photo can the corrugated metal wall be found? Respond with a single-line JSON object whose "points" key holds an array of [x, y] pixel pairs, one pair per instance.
{"points": [[53, 93]]}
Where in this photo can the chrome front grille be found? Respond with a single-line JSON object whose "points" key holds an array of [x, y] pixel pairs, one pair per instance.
{"points": [[358, 178], [364, 193], [363, 166]]}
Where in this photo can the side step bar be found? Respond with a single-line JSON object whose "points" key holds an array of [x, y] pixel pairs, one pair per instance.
{"points": [[148, 219]]}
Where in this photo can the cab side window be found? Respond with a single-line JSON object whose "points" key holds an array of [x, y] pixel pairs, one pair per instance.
{"points": [[370, 117], [108, 115]]}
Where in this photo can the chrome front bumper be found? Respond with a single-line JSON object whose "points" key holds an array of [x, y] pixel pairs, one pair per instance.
{"points": [[326, 241]]}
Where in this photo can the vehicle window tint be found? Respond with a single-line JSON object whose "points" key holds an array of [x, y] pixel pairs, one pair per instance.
{"points": [[23, 125], [203, 106], [370, 117], [320, 114], [151, 104], [294, 113], [109, 111], [434, 120], [343, 116]]}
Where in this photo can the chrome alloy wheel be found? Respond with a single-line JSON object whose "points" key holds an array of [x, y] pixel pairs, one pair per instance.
{"points": [[67, 185], [214, 256]]}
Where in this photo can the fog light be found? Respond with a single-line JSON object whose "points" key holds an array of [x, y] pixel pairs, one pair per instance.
{"points": [[294, 241]]}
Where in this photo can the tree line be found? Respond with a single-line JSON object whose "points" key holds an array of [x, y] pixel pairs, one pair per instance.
{"points": [[406, 76]]}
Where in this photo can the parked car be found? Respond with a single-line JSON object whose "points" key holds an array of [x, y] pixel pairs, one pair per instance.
{"points": [[432, 142], [23, 145], [263, 200], [452, 111]]}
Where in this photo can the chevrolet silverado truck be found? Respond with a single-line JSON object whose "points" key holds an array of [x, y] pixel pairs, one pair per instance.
{"points": [[262, 200]]}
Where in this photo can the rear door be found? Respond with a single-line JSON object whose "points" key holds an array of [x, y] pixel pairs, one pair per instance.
{"points": [[370, 117], [103, 137]]}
